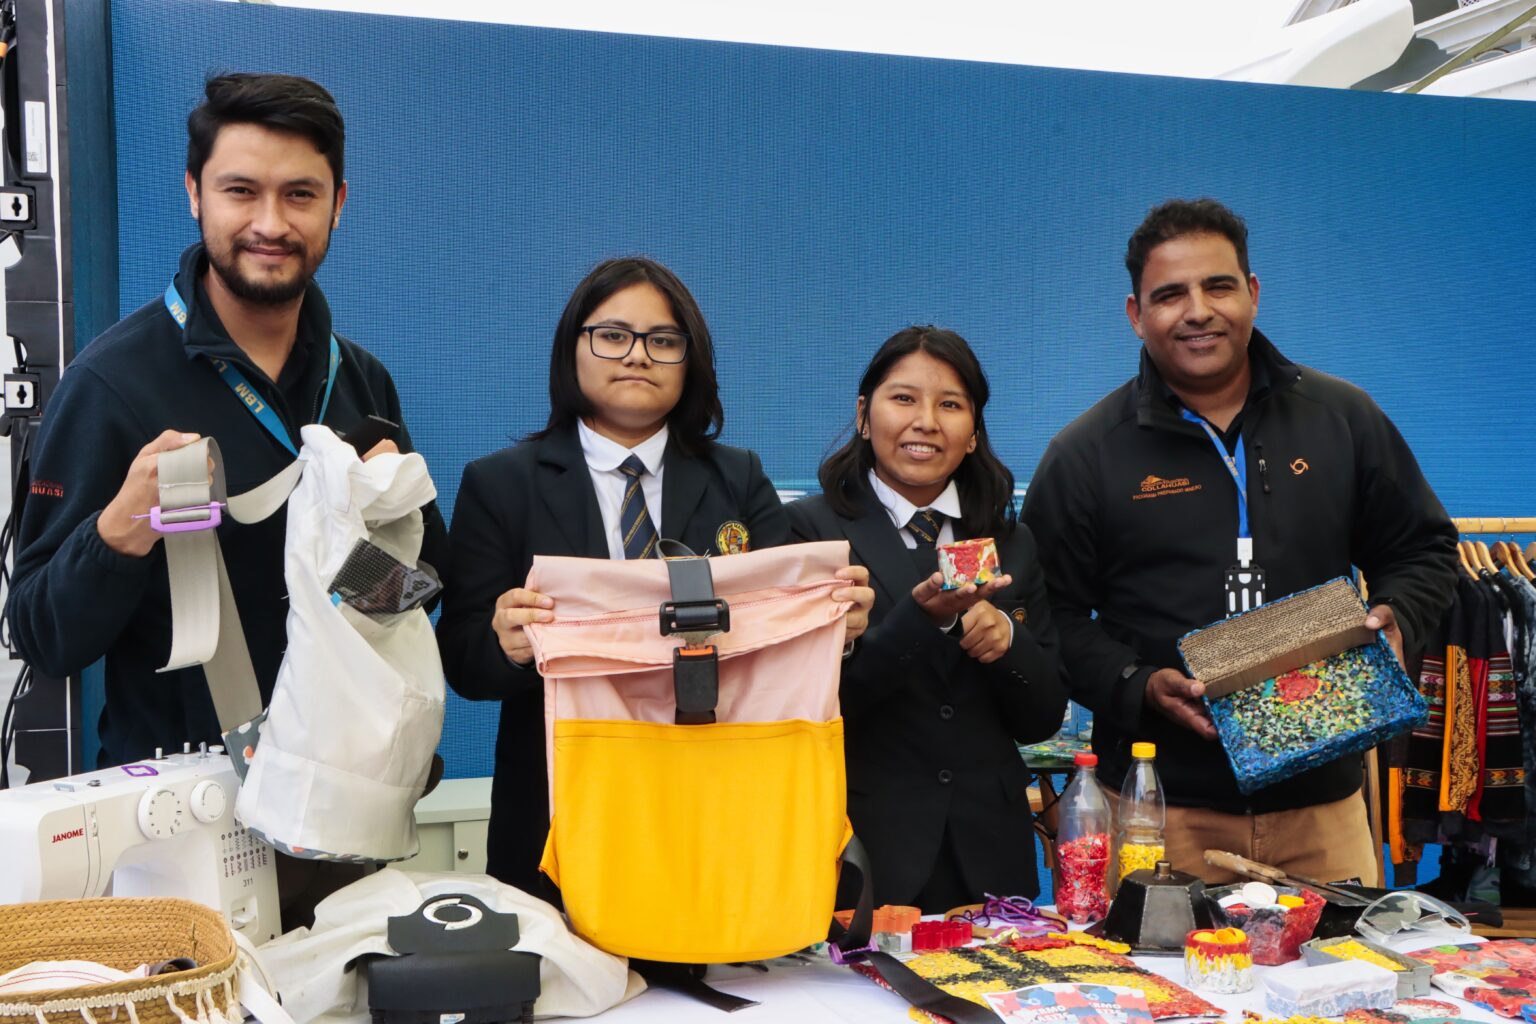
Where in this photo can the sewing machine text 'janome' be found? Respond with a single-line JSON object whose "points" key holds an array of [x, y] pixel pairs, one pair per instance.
{"points": [[161, 827]]}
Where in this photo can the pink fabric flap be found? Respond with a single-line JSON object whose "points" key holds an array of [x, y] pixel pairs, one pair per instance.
{"points": [[604, 656]]}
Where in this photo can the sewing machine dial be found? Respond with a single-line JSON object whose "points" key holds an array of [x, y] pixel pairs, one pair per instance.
{"points": [[208, 801], [161, 814]]}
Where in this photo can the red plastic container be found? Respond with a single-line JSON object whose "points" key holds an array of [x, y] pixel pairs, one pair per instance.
{"points": [[1276, 932], [940, 935]]}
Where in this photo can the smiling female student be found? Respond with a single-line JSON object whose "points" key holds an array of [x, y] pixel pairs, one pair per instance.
{"points": [[944, 682], [628, 456]]}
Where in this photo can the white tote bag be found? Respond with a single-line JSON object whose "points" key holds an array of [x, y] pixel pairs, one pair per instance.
{"points": [[314, 969], [357, 710]]}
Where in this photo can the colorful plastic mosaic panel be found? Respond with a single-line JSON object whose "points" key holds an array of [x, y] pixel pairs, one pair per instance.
{"points": [[1316, 714], [1427, 1011], [1504, 969], [975, 970], [1071, 1004]]}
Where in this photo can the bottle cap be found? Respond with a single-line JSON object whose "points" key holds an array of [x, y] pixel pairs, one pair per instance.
{"points": [[1146, 750], [1085, 758]]}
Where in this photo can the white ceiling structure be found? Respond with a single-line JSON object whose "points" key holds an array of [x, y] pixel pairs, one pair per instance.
{"points": [[1332, 43]]}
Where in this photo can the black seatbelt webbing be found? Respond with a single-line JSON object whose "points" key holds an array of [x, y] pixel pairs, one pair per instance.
{"points": [[688, 980], [854, 947], [695, 614]]}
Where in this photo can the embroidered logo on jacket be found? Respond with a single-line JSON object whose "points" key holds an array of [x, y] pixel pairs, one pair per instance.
{"points": [[1164, 487], [47, 488], [1299, 466]]}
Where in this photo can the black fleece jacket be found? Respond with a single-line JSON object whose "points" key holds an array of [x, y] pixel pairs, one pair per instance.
{"points": [[1136, 518], [74, 600]]}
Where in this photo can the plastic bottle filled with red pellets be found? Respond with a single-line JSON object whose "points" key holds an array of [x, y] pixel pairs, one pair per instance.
{"points": [[1082, 878], [1083, 845]]}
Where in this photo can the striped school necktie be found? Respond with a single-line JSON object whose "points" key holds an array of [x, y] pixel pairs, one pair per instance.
{"points": [[925, 526], [634, 519]]}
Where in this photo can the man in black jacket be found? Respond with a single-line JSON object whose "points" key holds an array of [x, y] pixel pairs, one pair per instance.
{"points": [[1136, 509], [264, 180]]}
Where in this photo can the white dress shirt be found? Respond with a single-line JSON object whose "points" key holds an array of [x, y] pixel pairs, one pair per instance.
{"points": [[901, 511], [604, 457]]}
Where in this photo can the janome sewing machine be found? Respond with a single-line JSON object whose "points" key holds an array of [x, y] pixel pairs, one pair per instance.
{"points": [[161, 827]]}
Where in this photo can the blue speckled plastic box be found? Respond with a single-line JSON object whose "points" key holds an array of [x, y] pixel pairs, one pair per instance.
{"points": [[1308, 716]]}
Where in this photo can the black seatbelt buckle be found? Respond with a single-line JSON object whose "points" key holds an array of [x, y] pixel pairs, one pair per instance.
{"points": [[703, 617], [696, 684]]}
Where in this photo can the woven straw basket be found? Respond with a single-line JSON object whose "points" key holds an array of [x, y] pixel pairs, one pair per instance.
{"points": [[121, 933]]}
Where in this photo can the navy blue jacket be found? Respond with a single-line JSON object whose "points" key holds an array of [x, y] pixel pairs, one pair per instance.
{"points": [[74, 600], [932, 735]]}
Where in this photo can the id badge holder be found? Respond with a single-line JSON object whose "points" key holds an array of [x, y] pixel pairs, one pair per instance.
{"points": [[1244, 581]]}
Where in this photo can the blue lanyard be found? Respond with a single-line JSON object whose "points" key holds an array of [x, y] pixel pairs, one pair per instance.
{"points": [[242, 387], [1237, 465]]}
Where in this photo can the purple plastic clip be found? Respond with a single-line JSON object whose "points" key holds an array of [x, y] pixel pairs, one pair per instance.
{"points": [[843, 958], [159, 525]]}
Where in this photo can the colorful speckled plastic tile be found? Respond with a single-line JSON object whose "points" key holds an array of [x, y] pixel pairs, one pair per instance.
{"points": [[1071, 1004], [1405, 1011], [1316, 714], [971, 971], [1499, 974]]}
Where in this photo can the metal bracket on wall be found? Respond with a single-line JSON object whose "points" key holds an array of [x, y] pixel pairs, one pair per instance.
{"points": [[1471, 53]]}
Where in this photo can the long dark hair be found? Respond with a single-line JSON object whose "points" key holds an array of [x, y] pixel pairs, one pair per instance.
{"points": [[697, 417], [984, 483]]}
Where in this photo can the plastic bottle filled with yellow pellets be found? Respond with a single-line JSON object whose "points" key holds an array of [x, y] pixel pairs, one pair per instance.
{"points": [[1142, 812], [1137, 855]]}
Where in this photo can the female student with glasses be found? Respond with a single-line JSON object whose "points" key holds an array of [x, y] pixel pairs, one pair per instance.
{"points": [[628, 456], [944, 684]]}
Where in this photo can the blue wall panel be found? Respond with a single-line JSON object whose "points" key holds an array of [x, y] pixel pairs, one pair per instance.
{"points": [[817, 201]]}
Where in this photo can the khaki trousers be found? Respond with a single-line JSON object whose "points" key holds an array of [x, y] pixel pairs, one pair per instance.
{"points": [[1327, 842]]}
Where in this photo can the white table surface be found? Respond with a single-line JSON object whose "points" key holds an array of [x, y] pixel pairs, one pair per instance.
{"points": [[822, 993]]}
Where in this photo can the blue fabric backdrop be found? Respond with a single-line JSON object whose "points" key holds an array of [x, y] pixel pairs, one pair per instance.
{"points": [[817, 201]]}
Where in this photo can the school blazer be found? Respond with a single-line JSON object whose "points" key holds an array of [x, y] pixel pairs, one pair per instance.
{"points": [[536, 498], [932, 734]]}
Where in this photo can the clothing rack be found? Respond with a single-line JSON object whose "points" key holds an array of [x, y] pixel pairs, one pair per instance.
{"points": [[1466, 526], [1492, 524]]}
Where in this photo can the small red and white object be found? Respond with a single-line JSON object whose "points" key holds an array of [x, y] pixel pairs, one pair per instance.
{"points": [[968, 561], [940, 935]]}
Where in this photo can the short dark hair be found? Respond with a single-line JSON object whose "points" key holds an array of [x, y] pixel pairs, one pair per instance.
{"points": [[283, 103], [1176, 218], [984, 483], [697, 417]]}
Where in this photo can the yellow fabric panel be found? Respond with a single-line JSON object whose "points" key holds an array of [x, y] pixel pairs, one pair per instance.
{"points": [[698, 843], [1402, 851], [1459, 765]]}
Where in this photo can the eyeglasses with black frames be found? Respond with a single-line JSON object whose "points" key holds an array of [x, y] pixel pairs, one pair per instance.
{"points": [[617, 342]]}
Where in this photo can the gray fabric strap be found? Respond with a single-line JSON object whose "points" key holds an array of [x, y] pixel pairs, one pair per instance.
{"points": [[185, 481], [205, 623], [266, 498]]}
